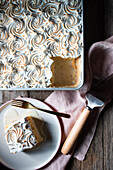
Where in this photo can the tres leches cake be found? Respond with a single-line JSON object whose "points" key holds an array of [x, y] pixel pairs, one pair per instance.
{"points": [[22, 133], [33, 35]]}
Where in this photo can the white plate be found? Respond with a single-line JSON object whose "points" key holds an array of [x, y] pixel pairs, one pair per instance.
{"points": [[42, 155]]}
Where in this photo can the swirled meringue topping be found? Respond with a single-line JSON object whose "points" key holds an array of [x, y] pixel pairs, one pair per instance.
{"points": [[22, 134], [31, 33]]}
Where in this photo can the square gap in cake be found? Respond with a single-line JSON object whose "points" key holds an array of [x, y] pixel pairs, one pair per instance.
{"points": [[65, 72]]}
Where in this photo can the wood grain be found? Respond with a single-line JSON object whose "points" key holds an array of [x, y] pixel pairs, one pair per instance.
{"points": [[98, 25], [93, 22], [40, 95], [108, 136], [75, 131], [108, 18]]}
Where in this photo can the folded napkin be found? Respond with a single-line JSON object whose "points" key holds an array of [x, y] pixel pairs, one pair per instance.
{"points": [[98, 65]]}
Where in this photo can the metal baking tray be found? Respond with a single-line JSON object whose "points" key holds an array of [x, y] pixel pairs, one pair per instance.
{"points": [[32, 34]]}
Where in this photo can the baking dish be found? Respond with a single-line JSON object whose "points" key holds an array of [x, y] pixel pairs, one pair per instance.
{"points": [[33, 34]]}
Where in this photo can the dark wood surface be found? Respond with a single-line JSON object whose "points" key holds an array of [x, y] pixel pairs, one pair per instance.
{"points": [[98, 25]]}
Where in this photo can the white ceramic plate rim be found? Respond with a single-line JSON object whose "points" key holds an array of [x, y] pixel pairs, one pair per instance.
{"points": [[58, 123]]}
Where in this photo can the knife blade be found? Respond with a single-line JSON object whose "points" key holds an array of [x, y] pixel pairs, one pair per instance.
{"points": [[96, 97]]}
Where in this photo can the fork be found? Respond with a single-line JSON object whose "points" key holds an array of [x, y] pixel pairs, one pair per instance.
{"points": [[27, 105]]}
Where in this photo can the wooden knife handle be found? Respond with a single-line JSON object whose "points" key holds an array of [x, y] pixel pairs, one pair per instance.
{"points": [[75, 131]]}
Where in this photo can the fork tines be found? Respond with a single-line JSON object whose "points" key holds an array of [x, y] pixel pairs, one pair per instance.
{"points": [[17, 103]]}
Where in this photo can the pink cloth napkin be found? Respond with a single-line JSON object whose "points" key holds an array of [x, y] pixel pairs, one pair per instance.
{"points": [[98, 65]]}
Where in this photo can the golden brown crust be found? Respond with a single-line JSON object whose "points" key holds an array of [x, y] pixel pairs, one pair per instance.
{"points": [[66, 72]]}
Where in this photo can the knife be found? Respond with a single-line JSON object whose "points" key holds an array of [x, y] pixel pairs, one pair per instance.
{"points": [[96, 97]]}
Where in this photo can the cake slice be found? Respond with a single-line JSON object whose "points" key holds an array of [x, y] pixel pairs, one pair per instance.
{"points": [[23, 134]]}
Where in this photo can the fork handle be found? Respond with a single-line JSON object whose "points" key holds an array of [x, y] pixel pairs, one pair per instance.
{"points": [[54, 113], [75, 131]]}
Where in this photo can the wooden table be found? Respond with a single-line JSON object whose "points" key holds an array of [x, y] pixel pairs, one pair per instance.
{"points": [[98, 25], [98, 22]]}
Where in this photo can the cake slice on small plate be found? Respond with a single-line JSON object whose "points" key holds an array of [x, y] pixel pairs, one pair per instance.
{"points": [[21, 131]]}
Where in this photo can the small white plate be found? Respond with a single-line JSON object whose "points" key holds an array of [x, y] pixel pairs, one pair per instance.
{"points": [[40, 156]]}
